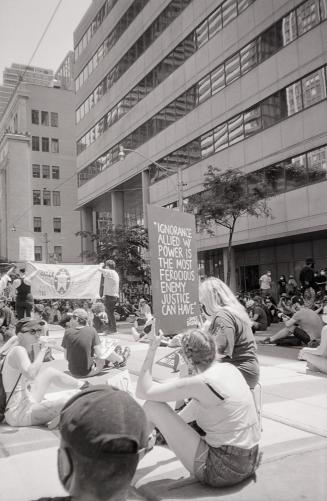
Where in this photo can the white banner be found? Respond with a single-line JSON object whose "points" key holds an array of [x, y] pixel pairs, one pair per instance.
{"points": [[26, 249], [64, 281]]}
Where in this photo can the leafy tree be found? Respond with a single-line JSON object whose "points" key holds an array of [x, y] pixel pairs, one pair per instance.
{"points": [[226, 197], [126, 245]]}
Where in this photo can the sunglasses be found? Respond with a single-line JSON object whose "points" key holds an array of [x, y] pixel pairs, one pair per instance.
{"points": [[33, 331]]}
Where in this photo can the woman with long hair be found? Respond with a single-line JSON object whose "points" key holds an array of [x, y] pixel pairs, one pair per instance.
{"points": [[230, 326], [222, 405]]}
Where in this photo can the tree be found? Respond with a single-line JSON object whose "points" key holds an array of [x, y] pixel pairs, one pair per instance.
{"points": [[126, 245], [226, 197]]}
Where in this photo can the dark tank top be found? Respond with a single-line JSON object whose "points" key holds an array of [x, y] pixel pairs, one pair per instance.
{"points": [[24, 293]]}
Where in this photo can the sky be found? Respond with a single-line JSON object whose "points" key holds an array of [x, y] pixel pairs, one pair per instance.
{"points": [[22, 23]]}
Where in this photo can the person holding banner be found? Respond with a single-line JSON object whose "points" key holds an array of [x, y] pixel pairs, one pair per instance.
{"points": [[110, 292], [230, 326], [222, 405], [24, 298], [4, 279]]}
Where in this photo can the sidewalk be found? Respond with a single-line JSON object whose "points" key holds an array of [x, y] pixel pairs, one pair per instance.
{"points": [[294, 441]]}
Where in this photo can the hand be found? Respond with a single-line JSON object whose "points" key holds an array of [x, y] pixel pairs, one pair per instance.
{"points": [[47, 342], [155, 337]]}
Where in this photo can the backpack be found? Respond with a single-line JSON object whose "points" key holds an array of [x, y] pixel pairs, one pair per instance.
{"points": [[3, 397]]}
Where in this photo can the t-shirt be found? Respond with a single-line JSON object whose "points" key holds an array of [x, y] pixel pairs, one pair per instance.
{"points": [[79, 344], [111, 282], [262, 317], [265, 282], [309, 321]]}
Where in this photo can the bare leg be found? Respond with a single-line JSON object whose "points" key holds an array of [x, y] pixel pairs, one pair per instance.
{"points": [[135, 334], [180, 437], [321, 349], [286, 331], [48, 375], [47, 410]]}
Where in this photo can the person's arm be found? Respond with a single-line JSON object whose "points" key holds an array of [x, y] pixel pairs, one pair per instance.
{"points": [[28, 278], [223, 332], [290, 321], [25, 366]]}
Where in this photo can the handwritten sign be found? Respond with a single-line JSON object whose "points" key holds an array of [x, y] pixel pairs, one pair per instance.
{"points": [[173, 269]]}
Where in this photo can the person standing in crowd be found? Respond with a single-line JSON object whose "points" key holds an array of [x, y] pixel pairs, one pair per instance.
{"points": [[220, 402], [282, 285], [291, 287], [103, 435], [317, 357], [307, 274], [265, 284], [26, 383], [110, 292], [230, 326], [24, 298]]}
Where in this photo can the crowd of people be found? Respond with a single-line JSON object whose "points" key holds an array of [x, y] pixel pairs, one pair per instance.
{"points": [[219, 371]]}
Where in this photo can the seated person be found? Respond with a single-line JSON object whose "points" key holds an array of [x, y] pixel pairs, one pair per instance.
{"points": [[317, 357], [143, 312], [304, 328], [7, 321], [284, 305], [100, 317], [85, 353], [272, 310], [221, 403], [103, 435], [259, 318]]}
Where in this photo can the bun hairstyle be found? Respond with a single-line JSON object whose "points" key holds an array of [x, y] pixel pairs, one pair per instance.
{"points": [[199, 347]]}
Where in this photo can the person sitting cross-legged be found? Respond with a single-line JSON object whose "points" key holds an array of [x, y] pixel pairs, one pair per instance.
{"points": [[317, 357]]}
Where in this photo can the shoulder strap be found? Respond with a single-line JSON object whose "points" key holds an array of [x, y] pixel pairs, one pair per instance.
{"points": [[215, 392], [14, 388]]}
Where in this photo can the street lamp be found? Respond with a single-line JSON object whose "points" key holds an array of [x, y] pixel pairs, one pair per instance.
{"points": [[180, 184]]}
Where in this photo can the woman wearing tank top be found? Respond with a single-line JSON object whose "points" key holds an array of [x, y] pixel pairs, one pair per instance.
{"points": [[220, 401], [230, 325]]}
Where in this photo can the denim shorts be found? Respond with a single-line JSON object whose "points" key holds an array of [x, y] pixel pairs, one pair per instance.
{"points": [[225, 465]]}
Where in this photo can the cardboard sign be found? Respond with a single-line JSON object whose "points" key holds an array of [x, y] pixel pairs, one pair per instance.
{"points": [[174, 269]]}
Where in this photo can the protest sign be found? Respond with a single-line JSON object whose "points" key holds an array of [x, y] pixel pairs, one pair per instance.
{"points": [[64, 281], [26, 249], [174, 272]]}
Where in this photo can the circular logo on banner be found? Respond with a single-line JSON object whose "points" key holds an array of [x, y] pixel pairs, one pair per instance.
{"points": [[62, 281]]}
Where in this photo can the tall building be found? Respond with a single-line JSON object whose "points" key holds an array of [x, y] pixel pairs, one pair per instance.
{"points": [[233, 84], [37, 174]]}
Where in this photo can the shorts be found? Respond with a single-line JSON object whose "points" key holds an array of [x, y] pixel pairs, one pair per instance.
{"points": [[225, 465]]}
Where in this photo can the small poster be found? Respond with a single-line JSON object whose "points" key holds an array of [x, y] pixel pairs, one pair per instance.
{"points": [[26, 249]]}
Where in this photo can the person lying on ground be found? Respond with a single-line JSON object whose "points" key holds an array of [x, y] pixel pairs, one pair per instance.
{"points": [[222, 405], [317, 357], [26, 383], [86, 354]]}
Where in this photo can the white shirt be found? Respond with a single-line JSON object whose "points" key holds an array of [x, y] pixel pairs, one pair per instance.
{"points": [[265, 281], [111, 282]]}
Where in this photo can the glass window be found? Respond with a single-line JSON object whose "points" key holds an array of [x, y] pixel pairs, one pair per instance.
{"points": [[243, 4], [220, 137], [57, 225], [254, 180], [207, 144], [202, 34], [307, 16], [215, 22], [275, 178], [229, 9], [44, 118], [35, 117], [35, 143], [37, 223], [36, 171], [248, 57], [55, 172], [46, 171], [235, 129], [38, 253], [252, 121], [288, 28], [54, 117], [54, 145], [314, 88], [317, 164], [36, 197], [295, 172], [56, 198], [232, 68], [217, 79], [46, 197], [274, 108], [204, 89], [270, 41], [45, 144], [58, 253], [323, 9], [294, 98]]}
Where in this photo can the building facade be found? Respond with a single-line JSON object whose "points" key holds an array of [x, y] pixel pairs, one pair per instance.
{"points": [[193, 83], [37, 175]]}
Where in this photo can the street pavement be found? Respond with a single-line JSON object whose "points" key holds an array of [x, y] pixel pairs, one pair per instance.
{"points": [[294, 439]]}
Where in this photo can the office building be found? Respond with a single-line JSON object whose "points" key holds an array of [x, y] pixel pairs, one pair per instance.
{"points": [[233, 84]]}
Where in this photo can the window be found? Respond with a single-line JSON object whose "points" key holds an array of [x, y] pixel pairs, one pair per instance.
{"points": [[45, 144], [270, 41], [215, 22], [217, 79], [307, 15], [252, 121], [56, 198], [46, 171], [220, 137], [288, 27], [54, 145], [54, 119], [295, 172], [46, 197], [248, 57], [36, 197], [294, 98], [35, 117], [275, 178], [58, 252], [57, 225], [317, 164], [323, 9], [45, 118], [36, 170], [35, 143], [274, 108], [232, 68], [207, 144], [38, 253], [37, 224], [235, 129], [55, 172], [201, 34], [314, 88], [204, 89], [229, 9]]}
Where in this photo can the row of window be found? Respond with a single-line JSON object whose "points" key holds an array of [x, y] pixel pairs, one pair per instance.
{"points": [[37, 224], [56, 256], [185, 49], [47, 171], [45, 198], [44, 143], [233, 68], [301, 94], [109, 42], [45, 118], [94, 26]]}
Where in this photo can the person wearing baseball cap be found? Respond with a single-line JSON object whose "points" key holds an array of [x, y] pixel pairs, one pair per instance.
{"points": [[104, 433], [26, 382], [317, 357]]}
